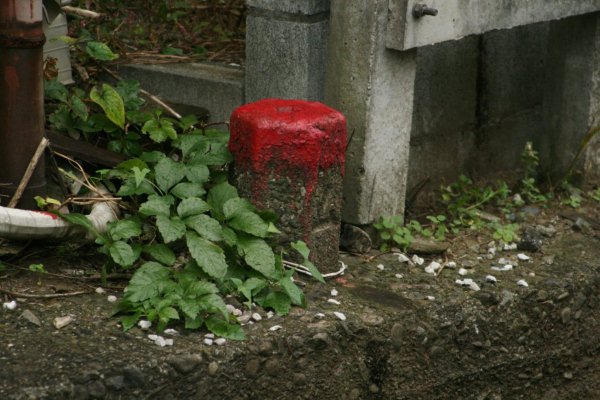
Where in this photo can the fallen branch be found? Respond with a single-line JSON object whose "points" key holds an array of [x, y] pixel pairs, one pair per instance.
{"points": [[28, 173], [80, 12], [42, 296]]}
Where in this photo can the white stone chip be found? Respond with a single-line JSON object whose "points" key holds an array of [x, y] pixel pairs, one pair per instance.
{"points": [[492, 250], [433, 267], [402, 257], [171, 332], [503, 261], [334, 292], [208, 341], [11, 305], [99, 290], [399, 276], [144, 324], [522, 283], [237, 312], [334, 301], [210, 335], [506, 267], [275, 328], [169, 342], [153, 337], [417, 260], [451, 264], [270, 314], [111, 298], [491, 278], [463, 272], [381, 267], [468, 282], [510, 246], [430, 298], [523, 257], [257, 317], [320, 315], [61, 322], [230, 308], [220, 341], [340, 315], [160, 341]]}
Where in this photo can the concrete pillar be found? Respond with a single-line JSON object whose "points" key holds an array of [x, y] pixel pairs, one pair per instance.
{"points": [[572, 96], [289, 158], [286, 49], [374, 87]]}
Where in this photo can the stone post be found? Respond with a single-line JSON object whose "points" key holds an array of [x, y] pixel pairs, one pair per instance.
{"points": [[285, 49], [289, 157], [374, 87]]}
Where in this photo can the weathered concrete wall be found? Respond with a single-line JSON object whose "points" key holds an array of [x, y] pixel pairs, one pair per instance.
{"points": [[286, 49]]}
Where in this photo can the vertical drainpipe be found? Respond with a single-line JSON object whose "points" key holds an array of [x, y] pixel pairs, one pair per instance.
{"points": [[21, 96]]}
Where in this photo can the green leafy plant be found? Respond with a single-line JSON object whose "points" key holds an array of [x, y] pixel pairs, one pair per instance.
{"points": [[506, 232], [529, 189], [595, 195], [392, 230]]}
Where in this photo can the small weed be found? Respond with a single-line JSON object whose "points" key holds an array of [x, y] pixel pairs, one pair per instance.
{"points": [[392, 230], [595, 195], [529, 190]]}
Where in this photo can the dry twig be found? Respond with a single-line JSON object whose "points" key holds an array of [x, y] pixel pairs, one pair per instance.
{"points": [[42, 296], [28, 173]]}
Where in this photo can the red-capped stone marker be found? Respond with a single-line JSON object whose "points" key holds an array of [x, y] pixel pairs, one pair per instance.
{"points": [[289, 157]]}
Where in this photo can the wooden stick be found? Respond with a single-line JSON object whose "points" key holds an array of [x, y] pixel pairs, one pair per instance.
{"points": [[28, 173], [80, 12], [42, 296]]}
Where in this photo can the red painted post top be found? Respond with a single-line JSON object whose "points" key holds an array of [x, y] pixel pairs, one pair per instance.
{"points": [[272, 133]]}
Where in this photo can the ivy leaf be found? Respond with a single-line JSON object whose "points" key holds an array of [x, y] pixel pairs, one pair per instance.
{"points": [[122, 253], [125, 229], [100, 51], [197, 173], [157, 205], [303, 249], [139, 174], [147, 282], [161, 253], [168, 173], [218, 196], [111, 102], [258, 255], [209, 256], [205, 226], [130, 91], [191, 143], [171, 229], [217, 155], [224, 329], [278, 301], [159, 129], [185, 189], [130, 187], [236, 205], [192, 206], [249, 222], [293, 291]]}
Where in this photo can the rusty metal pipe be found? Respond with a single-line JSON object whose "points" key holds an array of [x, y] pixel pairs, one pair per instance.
{"points": [[21, 95]]}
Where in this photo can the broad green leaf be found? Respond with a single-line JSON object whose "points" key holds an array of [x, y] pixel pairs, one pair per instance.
{"points": [[200, 288], [168, 313], [170, 229], [66, 39], [100, 51], [190, 307], [122, 253], [293, 291], [193, 323], [161, 253], [197, 173], [258, 255], [303, 249], [190, 143], [217, 155], [229, 236], [130, 92], [249, 222], [218, 196], [157, 205], [159, 130], [209, 256], [278, 301], [152, 156], [147, 282], [207, 227], [125, 229], [186, 189], [111, 102], [81, 220], [213, 303], [192, 206], [139, 174], [79, 108], [168, 173], [224, 329], [56, 91], [129, 321], [235, 205], [130, 187], [250, 287]]}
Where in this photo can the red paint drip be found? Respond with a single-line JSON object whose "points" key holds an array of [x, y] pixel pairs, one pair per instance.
{"points": [[49, 214], [293, 138]]}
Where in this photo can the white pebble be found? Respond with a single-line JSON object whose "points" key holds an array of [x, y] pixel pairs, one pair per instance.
{"points": [[210, 335], [99, 290], [208, 342], [468, 282], [451, 264], [169, 342], [430, 298], [463, 272], [402, 257], [144, 325], [334, 292], [111, 298], [11, 305], [339, 315], [220, 341], [171, 332], [230, 308], [523, 257], [160, 341], [334, 301], [510, 246], [506, 267], [256, 316], [399, 276], [433, 267], [491, 278], [153, 337], [270, 314], [503, 261], [492, 250], [237, 312], [522, 283], [275, 328], [532, 274], [320, 315], [381, 267], [417, 260]]}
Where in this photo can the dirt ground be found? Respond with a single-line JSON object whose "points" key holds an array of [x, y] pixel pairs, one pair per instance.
{"points": [[407, 334]]}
